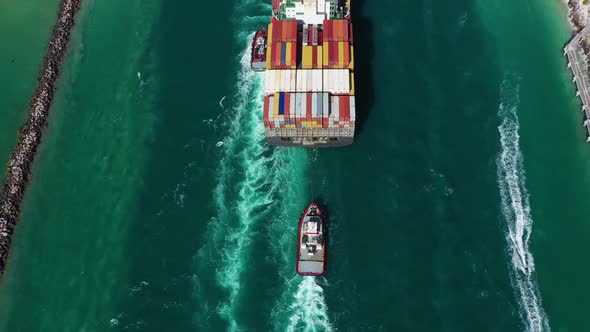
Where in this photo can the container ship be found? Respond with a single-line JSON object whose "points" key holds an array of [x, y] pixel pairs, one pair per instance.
{"points": [[306, 54], [311, 252]]}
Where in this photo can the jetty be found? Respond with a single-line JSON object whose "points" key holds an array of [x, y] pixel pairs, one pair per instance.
{"points": [[574, 53], [22, 158]]}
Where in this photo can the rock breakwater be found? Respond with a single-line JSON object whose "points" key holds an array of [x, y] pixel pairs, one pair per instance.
{"points": [[21, 161]]}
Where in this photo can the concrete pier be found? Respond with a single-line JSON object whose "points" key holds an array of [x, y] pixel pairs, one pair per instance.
{"points": [[21, 160], [574, 54]]}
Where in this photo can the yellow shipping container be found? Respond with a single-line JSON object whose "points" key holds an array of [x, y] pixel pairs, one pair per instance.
{"points": [[268, 57], [320, 57], [351, 64], [288, 55], [351, 83], [307, 57], [341, 54], [269, 48], [275, 111], [269, 34]]}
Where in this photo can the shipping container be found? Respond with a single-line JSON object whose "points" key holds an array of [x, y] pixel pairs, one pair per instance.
{"points": [[326, 55], [352, 109], [351, 83], [292, 109], [308, 106], [265, 111], [271, 107], [307, 57], [351, 62], [344, 108], [275, 112]]}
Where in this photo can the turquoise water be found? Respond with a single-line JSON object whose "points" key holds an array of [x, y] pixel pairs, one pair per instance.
{"points": [[157, 206], [25, 29]]}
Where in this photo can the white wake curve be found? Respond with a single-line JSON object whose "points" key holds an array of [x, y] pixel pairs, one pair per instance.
{"points": [[516, 210]]}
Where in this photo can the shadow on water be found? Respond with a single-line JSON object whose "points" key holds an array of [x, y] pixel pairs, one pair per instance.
{"points": [[363, 58]]}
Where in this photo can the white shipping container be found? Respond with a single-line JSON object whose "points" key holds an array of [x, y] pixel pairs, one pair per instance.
{"points": [[320, 106], [269, 82], [277, 83], [309, 80], [295, 112], [326, 109], [336, 108], [271, 107], [285, 80], [303, 105], [293, 80], [314, 107], [292, 107], [320, 80], [352, 108], [346, 81]]}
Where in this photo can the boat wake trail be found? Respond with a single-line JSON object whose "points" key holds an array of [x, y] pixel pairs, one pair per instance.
{"points": [[516, 210], [245, 184], [308, 311]]}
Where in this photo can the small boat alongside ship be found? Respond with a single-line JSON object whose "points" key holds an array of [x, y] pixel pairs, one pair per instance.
{"points": [[311, 249], [259, 44]]}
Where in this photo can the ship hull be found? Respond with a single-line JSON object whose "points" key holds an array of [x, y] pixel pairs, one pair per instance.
{"points": [[298, 142]]}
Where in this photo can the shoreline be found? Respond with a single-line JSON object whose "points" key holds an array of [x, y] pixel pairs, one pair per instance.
{"points": [[578, 14], [29, 138]]}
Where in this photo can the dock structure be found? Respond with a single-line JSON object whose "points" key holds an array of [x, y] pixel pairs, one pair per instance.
{"points": [[572, 50]]}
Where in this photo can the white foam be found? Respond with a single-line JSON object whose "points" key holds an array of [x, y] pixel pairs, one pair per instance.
{"points": [[308, 310], [516, 210]]}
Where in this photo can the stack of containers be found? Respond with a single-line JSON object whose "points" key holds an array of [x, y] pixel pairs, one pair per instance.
{"points": [[309, 80], [343, 113], [312, 57], [337, 81], [282, 45], [336, 53]]}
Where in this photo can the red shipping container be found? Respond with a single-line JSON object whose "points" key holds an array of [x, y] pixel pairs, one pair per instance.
{"points": [[275, 4], [309, 35], [344, 30], [314, 54], [350, 36], [333, 57], [276, 55], [327, 32], [286, 32], [287, 105], [344, 108], [277, 31], [346, 54], [265, 111]]}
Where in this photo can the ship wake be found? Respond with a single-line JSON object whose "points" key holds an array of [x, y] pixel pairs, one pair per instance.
{"points": [[308, 311], [516, 210]]}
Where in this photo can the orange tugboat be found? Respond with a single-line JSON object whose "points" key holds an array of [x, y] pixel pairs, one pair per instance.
{"points": [[311, 250]]}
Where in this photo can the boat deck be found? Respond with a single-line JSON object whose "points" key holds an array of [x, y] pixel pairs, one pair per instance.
{"points": [[312, 252]]}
